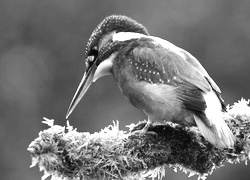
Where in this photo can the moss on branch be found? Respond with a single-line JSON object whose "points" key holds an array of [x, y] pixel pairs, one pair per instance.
{"points": [[64, 153]]}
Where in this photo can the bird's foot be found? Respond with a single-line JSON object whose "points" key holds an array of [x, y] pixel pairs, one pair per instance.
{"points": [[142, 129]]}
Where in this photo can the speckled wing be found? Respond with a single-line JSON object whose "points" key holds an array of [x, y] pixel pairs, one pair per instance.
{"points": [[163, 65]]}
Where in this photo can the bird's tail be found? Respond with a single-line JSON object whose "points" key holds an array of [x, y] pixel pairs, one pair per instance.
{"points": [[218, 133]]}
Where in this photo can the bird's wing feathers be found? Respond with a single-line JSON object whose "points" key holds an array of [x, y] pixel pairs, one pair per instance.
{"points": [[193, 61], [158, 64], [166, 64]]}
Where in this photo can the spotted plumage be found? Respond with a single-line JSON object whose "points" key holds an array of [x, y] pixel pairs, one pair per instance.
{"points": [[145, 71], [164, 81]]}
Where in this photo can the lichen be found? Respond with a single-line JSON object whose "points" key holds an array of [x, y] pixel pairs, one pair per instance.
{"points": [[65, 153]]}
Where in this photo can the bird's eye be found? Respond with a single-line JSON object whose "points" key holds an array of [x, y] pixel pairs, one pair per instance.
{"points": [[94, 51]]}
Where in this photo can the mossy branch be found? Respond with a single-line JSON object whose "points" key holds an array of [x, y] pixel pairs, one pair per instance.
{"points": [[64, 153]]}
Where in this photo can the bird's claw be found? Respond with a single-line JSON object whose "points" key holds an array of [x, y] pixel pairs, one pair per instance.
{"points": [[143, 131]]}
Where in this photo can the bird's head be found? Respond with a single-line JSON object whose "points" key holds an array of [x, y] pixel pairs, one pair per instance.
{"points": [[101, 51]]}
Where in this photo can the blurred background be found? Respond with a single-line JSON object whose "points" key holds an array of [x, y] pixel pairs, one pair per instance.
{"points": [[42, 46]]}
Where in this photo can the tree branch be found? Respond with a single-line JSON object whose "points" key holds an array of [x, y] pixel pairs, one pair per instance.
{"points": [[114, 154]]}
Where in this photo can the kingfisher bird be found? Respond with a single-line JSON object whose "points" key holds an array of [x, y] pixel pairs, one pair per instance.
{"points": [[164, 81]]}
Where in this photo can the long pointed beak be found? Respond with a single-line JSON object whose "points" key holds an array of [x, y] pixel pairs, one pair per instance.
{"points": [[82, 89]]}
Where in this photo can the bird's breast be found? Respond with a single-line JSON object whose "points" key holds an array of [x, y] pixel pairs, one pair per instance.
{"points": [[145, 90]]}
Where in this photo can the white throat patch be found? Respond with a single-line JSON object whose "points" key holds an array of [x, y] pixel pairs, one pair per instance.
{"points": [[105, 67]]}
